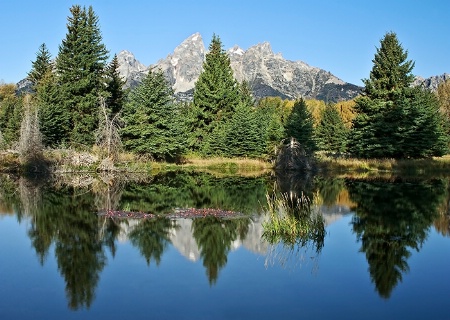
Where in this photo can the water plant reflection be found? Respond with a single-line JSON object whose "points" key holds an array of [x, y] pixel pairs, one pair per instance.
{"points": [[294, 225]]}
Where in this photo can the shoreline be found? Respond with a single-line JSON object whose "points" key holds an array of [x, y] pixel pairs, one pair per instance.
{"points": [[69, 161]]}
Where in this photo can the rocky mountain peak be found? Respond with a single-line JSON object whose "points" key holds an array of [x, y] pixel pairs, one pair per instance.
{"points": [[183, 67], [263, 48], [128, 64], [130, 69], [267, 73], [236, 50]]}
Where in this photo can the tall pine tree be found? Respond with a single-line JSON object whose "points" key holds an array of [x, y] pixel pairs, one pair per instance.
{"points": [[153, 122], [216, 95], [115, 92], [80, 66], [40, 66], [384, 118]]}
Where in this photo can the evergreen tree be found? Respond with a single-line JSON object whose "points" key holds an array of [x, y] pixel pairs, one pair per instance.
{"points": [[243, 137], [80, 68], [40, 66], [377, 131], [420, 129], [299, 125], [331, 133], [272, 115], [54, 121], [116, 94], [246, 94], [391, 72], [153, 122], [216, 94], [11, 111]]}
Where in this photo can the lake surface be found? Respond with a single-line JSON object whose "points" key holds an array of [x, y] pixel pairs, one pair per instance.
{"points": [[383, 253]]}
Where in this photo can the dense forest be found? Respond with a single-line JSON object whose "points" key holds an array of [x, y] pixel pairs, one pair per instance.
{"points": [[78, 102]]}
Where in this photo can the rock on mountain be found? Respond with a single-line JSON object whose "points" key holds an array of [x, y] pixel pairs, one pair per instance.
{"points": [[131, 69], [183, 67], [431, 83], [270, 74]]}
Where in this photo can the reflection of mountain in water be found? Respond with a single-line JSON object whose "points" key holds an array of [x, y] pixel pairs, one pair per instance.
{"points": [[182, 239], [334, 213]]}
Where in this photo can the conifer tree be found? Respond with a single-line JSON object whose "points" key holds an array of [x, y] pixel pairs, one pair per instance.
{"points": [[272, 115], [153, 122], [80, 68], [40, 66], [54, 121], [377, 131], [420, 127], [246, 95], [331, 133], [243, 136], [11, 111], [216, 94], [299, 125], [116, 94]]}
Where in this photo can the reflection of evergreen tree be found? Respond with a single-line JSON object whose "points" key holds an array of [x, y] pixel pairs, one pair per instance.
{"points": [[390, 218], [41, 234], [152, 237], [214, 237], [109, 231], [69, 222], [329, 189], [200, 190], [78, 251], [9, 197], [30, 195]]}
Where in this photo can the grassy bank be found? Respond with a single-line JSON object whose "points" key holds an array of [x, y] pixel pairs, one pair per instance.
{"points": [[238, 166], [435, 165], [70, 161]]}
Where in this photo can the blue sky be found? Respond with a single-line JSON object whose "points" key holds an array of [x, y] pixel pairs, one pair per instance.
{"points": [[339, 36]]}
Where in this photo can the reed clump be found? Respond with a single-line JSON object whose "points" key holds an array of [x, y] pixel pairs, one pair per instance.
{"points": [[291, 221]]}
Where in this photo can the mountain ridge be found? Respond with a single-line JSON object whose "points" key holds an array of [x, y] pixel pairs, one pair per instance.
{"points": [[268, 74]]}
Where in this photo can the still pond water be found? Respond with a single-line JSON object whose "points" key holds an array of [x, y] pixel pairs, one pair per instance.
{"points": [[384, 252]]}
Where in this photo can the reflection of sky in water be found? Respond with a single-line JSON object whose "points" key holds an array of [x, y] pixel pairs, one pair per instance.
{"points": [[262, 282]]}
